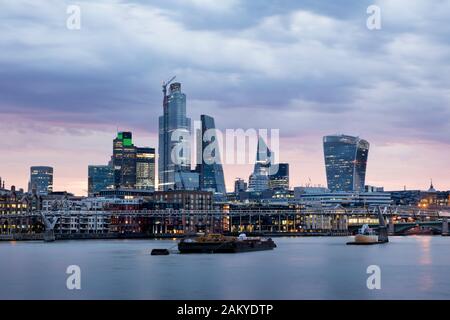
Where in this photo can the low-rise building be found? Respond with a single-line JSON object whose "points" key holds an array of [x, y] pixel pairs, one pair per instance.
{"points": [[345, 199], [15, 207], [186, 199]]}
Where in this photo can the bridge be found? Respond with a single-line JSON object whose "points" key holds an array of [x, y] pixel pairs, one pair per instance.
{"points": [[337, 220], [435, 227]]}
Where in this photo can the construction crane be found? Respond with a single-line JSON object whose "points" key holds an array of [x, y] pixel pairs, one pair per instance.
{"points": [[165, 84]]}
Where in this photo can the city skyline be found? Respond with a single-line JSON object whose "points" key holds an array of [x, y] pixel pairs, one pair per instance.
{"points": [[231, 188], [331, 75]]}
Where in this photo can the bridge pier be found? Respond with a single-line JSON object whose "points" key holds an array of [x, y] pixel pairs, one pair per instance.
{"points": [[391, 227], [445, 227], [49, 235]]}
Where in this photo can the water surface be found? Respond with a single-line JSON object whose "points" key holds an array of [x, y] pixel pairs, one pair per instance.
{"points": [[300, 268]]}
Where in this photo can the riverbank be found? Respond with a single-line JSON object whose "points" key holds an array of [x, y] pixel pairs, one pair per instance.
{"points": [[93, 236]]}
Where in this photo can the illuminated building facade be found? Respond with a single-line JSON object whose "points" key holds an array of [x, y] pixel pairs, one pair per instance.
{"points": [[186, 199], [100, 177], [280, 179], [18, 204], [124, 161], [145, 168], [41, 179]]}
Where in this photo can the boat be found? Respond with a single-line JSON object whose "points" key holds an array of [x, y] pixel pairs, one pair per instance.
{"points": [[218, 243], [160, 252], [366, 235]]}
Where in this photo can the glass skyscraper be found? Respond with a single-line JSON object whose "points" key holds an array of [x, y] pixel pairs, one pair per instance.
{"points": [[41, 179], [209, 163], [239, 185], [345, 162], [100, 177], [174, 120], [145, 168], [124, 161], [280, 179], [259, 179]]}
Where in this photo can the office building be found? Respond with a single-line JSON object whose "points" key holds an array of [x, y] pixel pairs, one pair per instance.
{"points": [[345, 162], [345, 199], [100, 177], [41, 180], [187, 180], [259, 179], [186, 199], [209, 162], [280, 179], [174, 132], [124, 161], [145, 168], [239, 186]]}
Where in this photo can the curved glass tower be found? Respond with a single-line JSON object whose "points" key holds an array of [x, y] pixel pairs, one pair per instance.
{"points": [[345, 162], [211, 171]]}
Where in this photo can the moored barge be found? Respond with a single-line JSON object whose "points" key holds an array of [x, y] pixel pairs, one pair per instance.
{"points": [[217, 243]]}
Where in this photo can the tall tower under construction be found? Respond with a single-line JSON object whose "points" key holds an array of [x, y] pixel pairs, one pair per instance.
{"points": [[174, 143]]}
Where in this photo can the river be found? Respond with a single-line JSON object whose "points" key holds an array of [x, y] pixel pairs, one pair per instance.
{"points": [[414, 267]]}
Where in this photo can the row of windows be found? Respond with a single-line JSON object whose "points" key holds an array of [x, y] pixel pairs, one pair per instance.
{"points": [[12, 205]]}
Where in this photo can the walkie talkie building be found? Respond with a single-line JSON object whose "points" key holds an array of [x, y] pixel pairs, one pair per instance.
{"points": [[345, 162]]}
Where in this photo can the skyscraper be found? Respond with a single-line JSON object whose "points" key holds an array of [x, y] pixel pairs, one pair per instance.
{"points": [[100, 177], [239, 185], [209, 162], [124, 161], [259, 179], [174, 130], [280, 179], [145, 168], [345, 162], [41, 179]]}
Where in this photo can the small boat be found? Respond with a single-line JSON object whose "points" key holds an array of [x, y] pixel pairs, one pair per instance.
{"points": [[218, 243], [160, 252], [366, 235]]}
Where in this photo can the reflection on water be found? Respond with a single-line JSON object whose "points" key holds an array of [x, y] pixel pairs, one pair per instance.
{"points": [[424, 246], [299, 268], [425, 277]]}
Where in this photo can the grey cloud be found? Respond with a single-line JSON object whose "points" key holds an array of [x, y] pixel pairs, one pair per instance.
{"points": [[315, 61]]}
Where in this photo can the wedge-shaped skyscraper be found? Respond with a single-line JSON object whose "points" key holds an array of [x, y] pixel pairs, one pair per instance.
{"points": [[345, 162], [208, 157]]}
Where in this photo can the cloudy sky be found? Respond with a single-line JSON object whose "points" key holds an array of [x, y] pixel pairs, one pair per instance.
{"points": [[309, 68]]}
